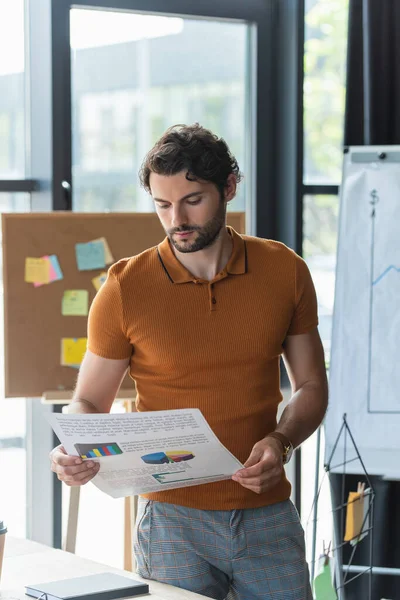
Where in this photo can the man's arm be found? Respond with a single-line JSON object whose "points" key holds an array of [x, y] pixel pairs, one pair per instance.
{"points": [[304, 360], [98, 382], [305, 363]]}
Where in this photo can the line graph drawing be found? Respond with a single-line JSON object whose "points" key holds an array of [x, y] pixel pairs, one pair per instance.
{"points": [[377, 402], [386, 272]]}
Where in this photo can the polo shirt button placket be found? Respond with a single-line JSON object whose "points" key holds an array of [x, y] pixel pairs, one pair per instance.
{"points": [[213, 300]]}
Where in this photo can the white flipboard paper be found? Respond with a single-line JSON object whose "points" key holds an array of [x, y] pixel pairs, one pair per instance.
{"points": [[365, 369]]}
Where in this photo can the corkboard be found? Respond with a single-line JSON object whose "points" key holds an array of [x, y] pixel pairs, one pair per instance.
{"points": [[34, 325]]}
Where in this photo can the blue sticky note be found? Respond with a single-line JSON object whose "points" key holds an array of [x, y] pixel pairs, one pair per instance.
{"points": [[90, 256], [56, 266]]}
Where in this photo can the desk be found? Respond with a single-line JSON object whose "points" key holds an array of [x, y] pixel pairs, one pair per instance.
{"points": [[27, 562]]}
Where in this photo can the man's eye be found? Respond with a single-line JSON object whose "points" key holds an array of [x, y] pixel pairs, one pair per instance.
{"points": [[194, 202], [163, 206]]}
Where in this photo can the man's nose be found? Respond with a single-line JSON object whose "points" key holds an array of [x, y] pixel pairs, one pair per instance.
{"points": [[178, 216]]}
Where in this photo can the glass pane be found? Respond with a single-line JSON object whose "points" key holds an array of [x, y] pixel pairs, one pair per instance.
{"points": [[135, 75], [12, 416], [320, 226], [324, 516], [324, 89], [12, 90]]}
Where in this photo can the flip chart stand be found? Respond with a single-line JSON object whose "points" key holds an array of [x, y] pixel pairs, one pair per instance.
{"points": [[342, 572]]}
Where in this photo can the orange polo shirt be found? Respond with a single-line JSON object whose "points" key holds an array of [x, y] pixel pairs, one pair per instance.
{"points": [[213, 345]]}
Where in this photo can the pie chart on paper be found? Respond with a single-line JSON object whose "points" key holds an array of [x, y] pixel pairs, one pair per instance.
{"points": [[171, 456], [179, 455]]}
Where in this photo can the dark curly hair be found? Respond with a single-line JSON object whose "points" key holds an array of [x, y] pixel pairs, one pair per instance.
{"points": [[193, 149]]}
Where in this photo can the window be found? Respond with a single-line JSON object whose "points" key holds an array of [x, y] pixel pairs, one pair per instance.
{"points": [[324, 97], [319, 250], [131, 81], [324, 103], [12, 166], [324, 89], [12, 416], [12, 89]]}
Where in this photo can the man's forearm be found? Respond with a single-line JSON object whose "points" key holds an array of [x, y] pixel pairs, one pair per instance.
{"points": [[79, 405], [304, 412]]}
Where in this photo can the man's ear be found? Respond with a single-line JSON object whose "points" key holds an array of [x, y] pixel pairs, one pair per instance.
{"points": [[230, 188]]}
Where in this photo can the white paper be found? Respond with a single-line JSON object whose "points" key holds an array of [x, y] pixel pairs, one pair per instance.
{"points": [[364, 371], [160, 450]]}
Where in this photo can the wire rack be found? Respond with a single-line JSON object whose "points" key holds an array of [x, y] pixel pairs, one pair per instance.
{"points": [[337, 463]]}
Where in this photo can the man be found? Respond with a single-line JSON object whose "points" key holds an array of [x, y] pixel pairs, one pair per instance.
{"points": [[201, 321]]}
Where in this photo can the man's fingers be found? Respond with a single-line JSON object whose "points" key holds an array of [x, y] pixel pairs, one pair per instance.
{"points": [[65, 460], [273, 476], [269, 478], [72, 471], [78, 478], [255, 471], [250, 472], [259, 487], [254, 458]]}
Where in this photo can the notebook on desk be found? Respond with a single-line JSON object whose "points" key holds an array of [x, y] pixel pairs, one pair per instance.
{"points": [[104, 586]]}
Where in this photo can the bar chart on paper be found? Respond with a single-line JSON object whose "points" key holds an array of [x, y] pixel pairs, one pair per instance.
{"points": [[98, 450]]}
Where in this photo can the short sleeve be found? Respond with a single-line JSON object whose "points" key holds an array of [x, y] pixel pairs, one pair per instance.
{"points": [[305, 315], [106, 331]]}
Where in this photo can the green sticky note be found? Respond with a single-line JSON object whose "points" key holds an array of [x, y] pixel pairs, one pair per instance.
{"points": [[75, 303], [323, 587]]}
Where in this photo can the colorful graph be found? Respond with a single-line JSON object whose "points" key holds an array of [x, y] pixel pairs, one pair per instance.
{"points": [[98, 450], [170, 456]]}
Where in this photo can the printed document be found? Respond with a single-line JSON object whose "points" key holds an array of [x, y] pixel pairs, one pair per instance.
{"points": [[145, 452]]}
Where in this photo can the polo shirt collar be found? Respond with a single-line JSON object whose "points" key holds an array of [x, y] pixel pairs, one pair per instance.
{"points": [[177, 273]]}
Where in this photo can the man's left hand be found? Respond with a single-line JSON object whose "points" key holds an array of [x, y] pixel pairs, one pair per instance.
{"points": [[264, 467]]}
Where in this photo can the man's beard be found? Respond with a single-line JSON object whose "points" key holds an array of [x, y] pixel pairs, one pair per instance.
{"points": [[206, 235]]}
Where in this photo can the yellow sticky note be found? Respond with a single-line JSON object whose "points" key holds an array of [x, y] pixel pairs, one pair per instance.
{"points": [[108, 257], [75, 302], [37, 270], [99, 280], [72, 351], [354, 515]]}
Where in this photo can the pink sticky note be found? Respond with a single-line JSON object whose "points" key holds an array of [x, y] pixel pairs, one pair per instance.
{"points": [[52, 273]]}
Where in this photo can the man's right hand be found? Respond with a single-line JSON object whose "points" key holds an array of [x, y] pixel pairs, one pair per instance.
{"points": [[72, 470]]}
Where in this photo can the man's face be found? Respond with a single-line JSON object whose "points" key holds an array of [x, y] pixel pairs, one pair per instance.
{"points": [[192, 213]]}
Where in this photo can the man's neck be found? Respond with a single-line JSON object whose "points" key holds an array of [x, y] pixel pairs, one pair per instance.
{"points": [[207, 263]]}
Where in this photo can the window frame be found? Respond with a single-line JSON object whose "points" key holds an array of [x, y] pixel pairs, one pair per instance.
{"points": [[260, 16]]}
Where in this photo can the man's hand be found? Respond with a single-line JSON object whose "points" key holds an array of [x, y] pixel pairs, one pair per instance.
{"points": [[264, 467], [72, 470]]}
